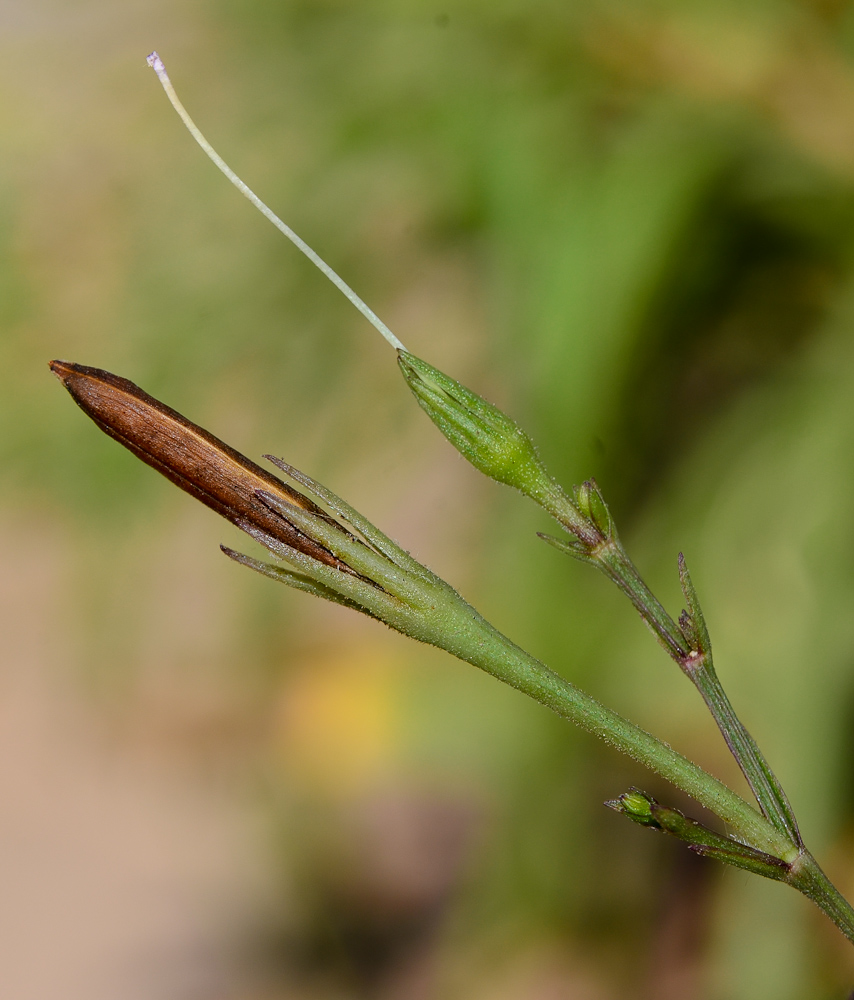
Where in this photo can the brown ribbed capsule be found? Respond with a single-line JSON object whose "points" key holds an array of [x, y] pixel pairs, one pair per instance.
{"points": [[192, 458]]}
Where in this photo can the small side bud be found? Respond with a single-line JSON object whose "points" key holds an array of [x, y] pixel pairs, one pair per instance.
{"points": [[643, 809], [591, 503], [493, 442], [636, 805]]}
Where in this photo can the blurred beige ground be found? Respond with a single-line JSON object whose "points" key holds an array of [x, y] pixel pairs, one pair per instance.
{"points": [[124, 875]]}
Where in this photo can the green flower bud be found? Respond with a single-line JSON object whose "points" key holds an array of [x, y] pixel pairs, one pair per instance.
{"points": [[636, 805], [493, 442], [591, 503]]}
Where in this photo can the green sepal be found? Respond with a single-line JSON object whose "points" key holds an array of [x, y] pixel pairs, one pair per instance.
{"points": [[363, 559], [295, 580], [571, 546], [380, 542]]}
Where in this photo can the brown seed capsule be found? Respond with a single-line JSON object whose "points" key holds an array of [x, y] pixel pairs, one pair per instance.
{"points": [[192, 458]]}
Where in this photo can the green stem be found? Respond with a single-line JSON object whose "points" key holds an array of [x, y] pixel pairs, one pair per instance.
{"points": [[478, 643], [691, 649], [616, 565], [762, 780], [808, 878], [698, 667]]}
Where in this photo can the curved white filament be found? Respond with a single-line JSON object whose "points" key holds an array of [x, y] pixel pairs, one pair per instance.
{"points": [[156, 63]]}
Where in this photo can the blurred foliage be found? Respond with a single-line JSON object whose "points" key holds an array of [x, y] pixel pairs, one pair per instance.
{"points": [[632, 226]]}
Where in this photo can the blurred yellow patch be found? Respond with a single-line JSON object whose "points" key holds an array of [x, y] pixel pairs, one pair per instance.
{"points": [[337, 725]]}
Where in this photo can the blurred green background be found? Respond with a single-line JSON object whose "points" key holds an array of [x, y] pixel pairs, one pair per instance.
{"points": [[629, 224]]}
